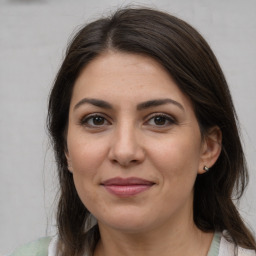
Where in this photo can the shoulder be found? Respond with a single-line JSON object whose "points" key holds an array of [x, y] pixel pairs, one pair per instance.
{"points": [[35, 248], [227, 248]]}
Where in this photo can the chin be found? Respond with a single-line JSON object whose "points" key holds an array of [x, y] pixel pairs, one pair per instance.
{"points": [[128, 222]]}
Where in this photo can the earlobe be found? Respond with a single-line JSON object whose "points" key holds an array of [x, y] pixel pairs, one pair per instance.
{"points": [[211, 149], [69, 162]]}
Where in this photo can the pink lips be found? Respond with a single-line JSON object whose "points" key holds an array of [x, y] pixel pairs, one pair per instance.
{"points": [[127, 187]]}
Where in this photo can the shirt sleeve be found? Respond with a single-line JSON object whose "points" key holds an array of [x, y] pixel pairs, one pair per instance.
{"points": [[35, 248]]}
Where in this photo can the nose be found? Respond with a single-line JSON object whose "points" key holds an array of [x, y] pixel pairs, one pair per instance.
{"points": [[126, 148]]}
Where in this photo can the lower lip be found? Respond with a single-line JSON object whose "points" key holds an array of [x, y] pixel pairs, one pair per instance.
{"points": [[127, 190]]}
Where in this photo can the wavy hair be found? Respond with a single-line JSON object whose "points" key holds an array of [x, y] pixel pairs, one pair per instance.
{"points": [[182, 51]]}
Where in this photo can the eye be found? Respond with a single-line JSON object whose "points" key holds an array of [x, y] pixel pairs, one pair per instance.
{"points": [[160, 120], [94, 120]]}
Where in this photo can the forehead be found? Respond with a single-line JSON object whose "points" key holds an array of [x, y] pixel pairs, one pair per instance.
{"points": [[123, 74]]}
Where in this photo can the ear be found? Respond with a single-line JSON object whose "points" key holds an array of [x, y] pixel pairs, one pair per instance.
{"points": [[69, 162], [211, 148]]}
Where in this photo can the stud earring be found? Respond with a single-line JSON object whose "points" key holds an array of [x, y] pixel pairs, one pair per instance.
{"points": [[206, 168]]}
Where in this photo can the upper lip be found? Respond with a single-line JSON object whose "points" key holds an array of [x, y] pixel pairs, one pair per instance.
{"points": [[127, 181]]}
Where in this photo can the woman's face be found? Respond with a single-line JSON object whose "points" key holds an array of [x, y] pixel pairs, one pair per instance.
{"points": [[134, 144]]}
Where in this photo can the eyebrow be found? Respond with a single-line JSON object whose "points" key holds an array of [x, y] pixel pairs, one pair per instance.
{"points": [[95, 102], [141, 106], [158, 102]]}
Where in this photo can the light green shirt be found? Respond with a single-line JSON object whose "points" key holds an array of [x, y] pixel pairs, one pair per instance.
{"points": [[219, 247], [215, 245], [36, 248]]}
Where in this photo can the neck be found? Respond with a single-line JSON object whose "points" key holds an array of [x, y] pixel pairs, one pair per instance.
{"points": [[186, 240]]}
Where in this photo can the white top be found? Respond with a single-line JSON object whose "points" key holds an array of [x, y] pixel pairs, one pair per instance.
{"points": [[224, 248], [52, 249], [227, 248]]}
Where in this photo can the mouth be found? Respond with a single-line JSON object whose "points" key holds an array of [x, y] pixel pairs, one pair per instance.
{"points": [[126, 187]]}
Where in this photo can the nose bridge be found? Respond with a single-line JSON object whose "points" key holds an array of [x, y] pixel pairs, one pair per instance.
{"points": [[126, 136], [126, 147]]}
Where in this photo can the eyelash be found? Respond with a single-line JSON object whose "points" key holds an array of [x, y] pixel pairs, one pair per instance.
{"points": [[166, 118], [85, 120]]}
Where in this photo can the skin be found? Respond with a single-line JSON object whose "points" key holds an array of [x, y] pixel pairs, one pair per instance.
{"points": [[125, 138]]}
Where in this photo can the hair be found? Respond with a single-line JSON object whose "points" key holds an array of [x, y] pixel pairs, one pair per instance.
{"points": [[183, 52]]}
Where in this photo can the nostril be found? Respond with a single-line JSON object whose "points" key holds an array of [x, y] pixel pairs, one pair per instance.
{"points": [[126, 152], [124, 163]]}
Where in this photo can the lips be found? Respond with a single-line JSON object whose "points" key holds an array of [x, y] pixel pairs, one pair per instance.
{"points": [[127, 187]]}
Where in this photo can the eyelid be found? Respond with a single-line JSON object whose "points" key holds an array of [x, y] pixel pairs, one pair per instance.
{"points": [[85, 118], [168, 117]]}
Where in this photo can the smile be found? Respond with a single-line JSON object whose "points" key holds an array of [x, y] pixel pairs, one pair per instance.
{"points": [[127, 187]]}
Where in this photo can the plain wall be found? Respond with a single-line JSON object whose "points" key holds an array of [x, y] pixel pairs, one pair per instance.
{"points": [[33, 37]]}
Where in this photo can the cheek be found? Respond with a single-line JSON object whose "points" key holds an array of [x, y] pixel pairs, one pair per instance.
{"points": [[86, 159], [85, 162], [177, 159], [86, 154]]}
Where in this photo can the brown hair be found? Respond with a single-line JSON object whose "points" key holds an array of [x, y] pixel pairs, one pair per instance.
{"points": [[190, 61]]}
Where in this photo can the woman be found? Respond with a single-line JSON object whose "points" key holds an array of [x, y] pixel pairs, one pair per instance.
{"points": [[146, 142]]}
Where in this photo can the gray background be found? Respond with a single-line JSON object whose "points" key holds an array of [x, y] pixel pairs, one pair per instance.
{"points": [[33, 36]]}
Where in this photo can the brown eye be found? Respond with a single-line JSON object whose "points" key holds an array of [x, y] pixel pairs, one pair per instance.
{"points": [[160, 120], [96, 121]]}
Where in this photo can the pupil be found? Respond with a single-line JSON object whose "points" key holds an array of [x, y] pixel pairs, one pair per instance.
{"points": [[160, 120], [98, 120]]}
